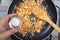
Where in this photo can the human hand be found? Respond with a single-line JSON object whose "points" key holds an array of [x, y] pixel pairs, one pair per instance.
{"points": [[5, 30]]}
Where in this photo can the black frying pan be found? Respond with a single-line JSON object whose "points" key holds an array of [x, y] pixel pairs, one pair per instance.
{"points": [[46, 30]]}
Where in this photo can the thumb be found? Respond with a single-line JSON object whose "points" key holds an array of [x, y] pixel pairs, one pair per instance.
{"points": [[9, 33]]}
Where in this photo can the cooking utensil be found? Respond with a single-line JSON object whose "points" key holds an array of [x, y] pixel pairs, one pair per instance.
{"points": [[43, 15], [46, 30]]}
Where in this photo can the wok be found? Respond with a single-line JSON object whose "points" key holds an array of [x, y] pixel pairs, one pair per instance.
{"points": [[46, 30]]}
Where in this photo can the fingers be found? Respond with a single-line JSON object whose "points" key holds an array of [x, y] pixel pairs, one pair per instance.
{"points": [[9, 33], [10, 16], [2, 29], [6, 26], [6, 18]]}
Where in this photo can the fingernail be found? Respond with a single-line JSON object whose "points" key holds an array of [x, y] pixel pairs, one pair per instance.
{"points": [[16, 14]]}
